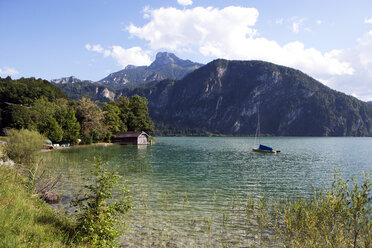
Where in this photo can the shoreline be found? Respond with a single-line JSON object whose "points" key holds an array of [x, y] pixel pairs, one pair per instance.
{"points": [[75, 146]]}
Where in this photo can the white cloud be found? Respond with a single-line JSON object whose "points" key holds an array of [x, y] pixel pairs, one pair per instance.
{"points": [[8, 71], [184, 2], [296, 25], [360, 83], [124, 57], [229, 33], [319, 22], [368, 20], [279, 21], [95, 48]]}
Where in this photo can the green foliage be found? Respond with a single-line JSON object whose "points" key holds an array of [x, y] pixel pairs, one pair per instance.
{"points": [[131, 114], [56, 120], [59, 119], [53, 130], [20, 117], [26, 221], [91, 119], [100, 220], [41, 111], [123, 104], [339, 217], [29, 103], [112, 118], [65, 115], [23, 145], [26, 90], [139, 119]]}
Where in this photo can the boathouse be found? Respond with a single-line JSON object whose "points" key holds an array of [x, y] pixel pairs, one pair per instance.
{"points": [[131, 138]]}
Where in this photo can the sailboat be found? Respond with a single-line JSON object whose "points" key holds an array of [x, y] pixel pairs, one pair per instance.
{"points": [[261, 148]]}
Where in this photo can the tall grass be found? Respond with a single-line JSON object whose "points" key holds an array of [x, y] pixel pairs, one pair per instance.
{"points": [[26, 221], [338, 217]]}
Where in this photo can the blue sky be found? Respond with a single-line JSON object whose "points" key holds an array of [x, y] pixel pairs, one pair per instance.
{"points": [[329, 40]]}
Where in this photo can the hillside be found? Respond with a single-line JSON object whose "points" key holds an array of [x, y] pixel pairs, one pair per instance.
{"points": [[26, 90], [93, 91], [225, 96]]}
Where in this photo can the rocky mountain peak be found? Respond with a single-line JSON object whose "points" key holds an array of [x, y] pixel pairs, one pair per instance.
{"points": [[165, 65], [128, 67], [164, 58], [65, 80], [69, 80]]}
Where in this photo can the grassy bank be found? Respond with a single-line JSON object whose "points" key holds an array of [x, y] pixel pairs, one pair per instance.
{"points": [[26, 221]]}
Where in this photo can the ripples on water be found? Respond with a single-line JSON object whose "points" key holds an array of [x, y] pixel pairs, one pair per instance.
{"points": [[192, 191]]}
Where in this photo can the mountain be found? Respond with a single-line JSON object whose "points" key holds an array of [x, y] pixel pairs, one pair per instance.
{"points": [[166, 65], [68, 80], [87, 89], [76, 88], [369, 102], [225, 97]]}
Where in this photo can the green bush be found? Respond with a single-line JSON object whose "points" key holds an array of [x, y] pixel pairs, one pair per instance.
{"points": [[23, 145], [339, 217], [100, 220]]}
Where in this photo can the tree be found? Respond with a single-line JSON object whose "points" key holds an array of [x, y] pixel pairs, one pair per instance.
{"points": [[65, 116], [20, 117], [123, 104], [91, 118], [53, 130], [139, 119], [112, 119], [41, 111]]}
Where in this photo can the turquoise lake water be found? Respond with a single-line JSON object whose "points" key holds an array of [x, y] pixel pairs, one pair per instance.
{"points": [[189, 191]]}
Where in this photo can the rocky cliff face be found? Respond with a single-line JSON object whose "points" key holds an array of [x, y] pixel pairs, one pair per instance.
{"points": [[226, 96], [90, 90], [68, 80]]}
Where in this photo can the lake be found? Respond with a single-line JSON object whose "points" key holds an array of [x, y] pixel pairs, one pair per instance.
{"points": [[191, 191]]}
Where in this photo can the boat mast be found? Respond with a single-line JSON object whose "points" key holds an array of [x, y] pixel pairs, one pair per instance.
{"points": [[258, 131]]}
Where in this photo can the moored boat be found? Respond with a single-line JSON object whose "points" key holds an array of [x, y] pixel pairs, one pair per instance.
{"points": [[261, 148], [265, 149]]}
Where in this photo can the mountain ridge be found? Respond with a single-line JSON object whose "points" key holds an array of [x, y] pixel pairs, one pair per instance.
{"points": [[224, 97], [69, 80], [166, 65]]}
